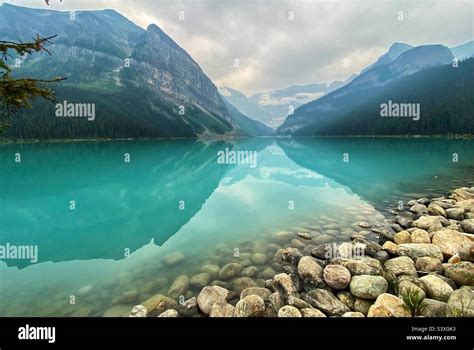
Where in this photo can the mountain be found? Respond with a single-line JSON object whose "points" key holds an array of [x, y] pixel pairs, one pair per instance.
{"points": [[142, 83], [249, 126], [279, 103], [392, 54], [422, 75], [245, 105], [463, 51]]}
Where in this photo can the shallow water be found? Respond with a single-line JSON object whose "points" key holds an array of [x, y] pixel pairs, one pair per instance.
{"points": [[174, 196]]}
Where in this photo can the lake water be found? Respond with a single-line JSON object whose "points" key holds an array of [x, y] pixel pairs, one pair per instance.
{"points": [[104, 227]]}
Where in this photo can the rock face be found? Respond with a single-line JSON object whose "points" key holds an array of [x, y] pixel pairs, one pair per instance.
{"points": [[326, 302], [368, 287], [388, 305], [461, 303], [250, 306], [437, 288], [461, 273], [311, 273], [289, 311], [417, 250], [337, 276], [158, 304], [451, 242], [209, 296]]}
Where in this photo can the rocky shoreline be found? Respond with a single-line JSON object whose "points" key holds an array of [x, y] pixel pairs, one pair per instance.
{"points": [[417, 264]]}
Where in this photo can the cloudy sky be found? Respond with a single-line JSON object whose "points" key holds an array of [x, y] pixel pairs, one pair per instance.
{"points": [[279, 43]]}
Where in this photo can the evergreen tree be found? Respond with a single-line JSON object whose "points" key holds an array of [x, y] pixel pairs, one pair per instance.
{"points": [[17, 94]]}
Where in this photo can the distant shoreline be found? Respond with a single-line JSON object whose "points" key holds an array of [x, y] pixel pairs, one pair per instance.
{"points": [[4, 141]]}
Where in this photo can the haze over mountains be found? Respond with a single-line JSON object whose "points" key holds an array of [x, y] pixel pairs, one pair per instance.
{"points": [[145, 85]]}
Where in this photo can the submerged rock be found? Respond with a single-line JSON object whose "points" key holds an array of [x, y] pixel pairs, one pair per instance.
{"points": [[158, 304], [304, 235], [259, 258], [179, 287], [229, 271], [241, 283], [127, 298], [263, 293], [201, 280], [173, 258]]}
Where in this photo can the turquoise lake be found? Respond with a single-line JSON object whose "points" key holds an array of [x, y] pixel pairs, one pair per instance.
{"points": [[174, 197]]}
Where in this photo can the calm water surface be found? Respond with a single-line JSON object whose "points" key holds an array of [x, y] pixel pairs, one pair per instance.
{"points": [[174, 197]]}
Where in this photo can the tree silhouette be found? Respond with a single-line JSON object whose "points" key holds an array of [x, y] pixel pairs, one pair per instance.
{"points": [[17, 94]]}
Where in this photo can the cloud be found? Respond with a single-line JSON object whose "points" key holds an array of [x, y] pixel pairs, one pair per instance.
{"points": [[276, 50]]}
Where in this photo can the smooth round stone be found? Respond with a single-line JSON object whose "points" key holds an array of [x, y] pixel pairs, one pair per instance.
{"points": [[241, 283], [250, 271], [296, 243], [259, 258], [289, 311], [268, 273], [310, 312], [283, 236], [364, 224], [209, 296], [304, 235], [368, 287], [250, 306], [201, 280], [336, 276], [174, 258], [229, 271], [353, 314], [211, 269]]}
